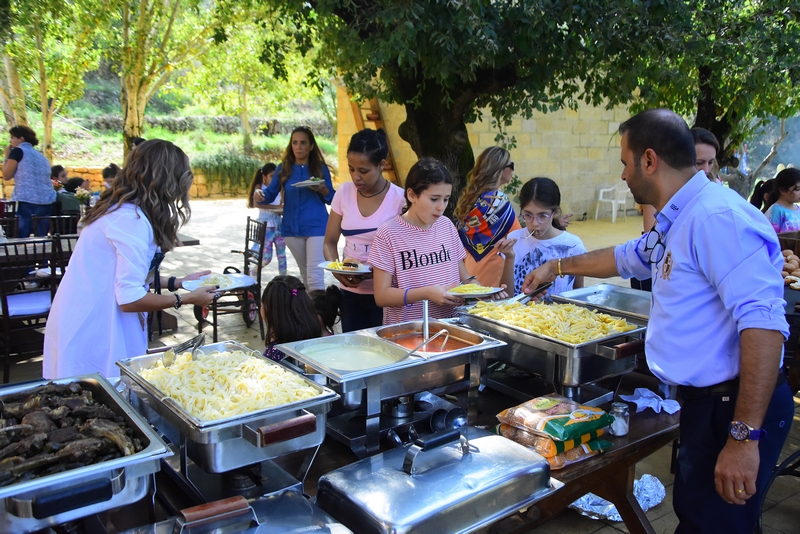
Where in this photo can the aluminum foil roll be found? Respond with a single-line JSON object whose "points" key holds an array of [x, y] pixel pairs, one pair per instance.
{"points": [[648, 490]]}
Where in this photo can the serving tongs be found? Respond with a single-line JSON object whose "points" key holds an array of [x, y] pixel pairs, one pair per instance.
{"points": [[443, 332], [168, 358], [524, 298]]}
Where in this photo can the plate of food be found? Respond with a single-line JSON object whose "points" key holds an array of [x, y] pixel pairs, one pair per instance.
{"points": [[224, 281], [345, 266], [309, 183], [474, 291]]}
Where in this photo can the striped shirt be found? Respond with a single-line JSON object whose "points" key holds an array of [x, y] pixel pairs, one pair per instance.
{"points": [[417, 258]]}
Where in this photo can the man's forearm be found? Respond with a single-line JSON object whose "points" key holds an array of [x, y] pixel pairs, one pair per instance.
{"points": [[758, 369], [597, 264]]}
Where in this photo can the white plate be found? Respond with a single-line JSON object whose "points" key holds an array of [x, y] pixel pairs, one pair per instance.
{"points": [[237, 281], [362, 269], [482, 294], [308, 183]]}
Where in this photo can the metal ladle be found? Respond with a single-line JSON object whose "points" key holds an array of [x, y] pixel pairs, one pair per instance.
{"points": [[441, 332]]}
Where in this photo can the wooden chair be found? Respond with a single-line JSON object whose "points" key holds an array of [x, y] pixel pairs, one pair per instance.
{"points": [[27, 287], [59, 224], [245, 300], [9, 208], [10, 226]]}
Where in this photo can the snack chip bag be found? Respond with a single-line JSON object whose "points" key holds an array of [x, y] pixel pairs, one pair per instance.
{"points": [[547, 447], [555, 417], [582, 452]]}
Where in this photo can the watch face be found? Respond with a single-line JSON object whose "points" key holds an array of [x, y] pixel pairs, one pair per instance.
{"points": [[740, 431]]}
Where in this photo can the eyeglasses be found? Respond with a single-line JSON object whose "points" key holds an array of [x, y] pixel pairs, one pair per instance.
{"points": [[541, 218], [511, 165], [655, 245]]}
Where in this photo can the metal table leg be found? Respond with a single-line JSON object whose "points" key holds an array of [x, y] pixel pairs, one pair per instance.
{"points": [[373, 431]]}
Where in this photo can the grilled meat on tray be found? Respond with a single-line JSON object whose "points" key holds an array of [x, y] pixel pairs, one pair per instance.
{"points": [[58, 427]]}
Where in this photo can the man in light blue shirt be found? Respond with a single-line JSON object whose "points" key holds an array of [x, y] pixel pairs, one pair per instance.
{"points": [[716, 326]]}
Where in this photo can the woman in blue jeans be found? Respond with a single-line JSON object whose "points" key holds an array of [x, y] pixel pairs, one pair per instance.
{"points": [[33, 189]]}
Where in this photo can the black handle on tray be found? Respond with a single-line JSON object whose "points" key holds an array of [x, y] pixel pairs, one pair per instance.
{"points": [[60, 501], [437, 439]]}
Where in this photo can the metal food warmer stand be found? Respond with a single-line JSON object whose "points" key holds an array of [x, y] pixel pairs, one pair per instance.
{"points": [[231, 458], [393, 395], [541, 364]]}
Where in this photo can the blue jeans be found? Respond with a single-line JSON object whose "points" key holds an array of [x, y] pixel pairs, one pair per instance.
{"points": [[704, 431], [24, 212]]}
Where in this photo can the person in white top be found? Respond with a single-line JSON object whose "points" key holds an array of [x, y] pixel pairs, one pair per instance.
{"points": [[543, 238], [269, 214], [98, 314], [357, 210]]}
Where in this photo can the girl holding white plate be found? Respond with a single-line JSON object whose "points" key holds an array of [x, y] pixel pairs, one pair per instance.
{"points": [[358, 209]]}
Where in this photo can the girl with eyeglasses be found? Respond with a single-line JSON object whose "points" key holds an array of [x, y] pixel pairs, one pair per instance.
{"points": [[782, 210], [543, 238]]}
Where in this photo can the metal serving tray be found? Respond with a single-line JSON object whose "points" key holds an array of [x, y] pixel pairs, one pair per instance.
{"points": [[448, 491], [226, 444], [560, 362], [613, 300], [55, 499]]}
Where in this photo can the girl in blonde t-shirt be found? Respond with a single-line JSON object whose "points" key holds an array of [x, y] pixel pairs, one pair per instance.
{"points": [[357, 210]]}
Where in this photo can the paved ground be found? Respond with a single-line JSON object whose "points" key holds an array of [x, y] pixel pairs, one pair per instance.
{"points": [[219, 225]]}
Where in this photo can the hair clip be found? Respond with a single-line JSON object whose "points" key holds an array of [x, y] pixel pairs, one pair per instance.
{"points": [[294, 292]]}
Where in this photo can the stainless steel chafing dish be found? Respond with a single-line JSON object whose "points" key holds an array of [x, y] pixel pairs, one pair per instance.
{"points": [[391, 376], [226, 444], [443, 483], [55, 499], [566, 366], [632, 304]]}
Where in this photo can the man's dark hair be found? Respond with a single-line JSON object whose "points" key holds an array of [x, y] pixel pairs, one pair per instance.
{"points": [[111, 171], [704, 137], [663, 131], [73, 184], [136, 141]]}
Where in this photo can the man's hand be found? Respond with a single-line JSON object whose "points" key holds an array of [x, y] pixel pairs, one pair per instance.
{"points": [[542, 275], [736, 471]]}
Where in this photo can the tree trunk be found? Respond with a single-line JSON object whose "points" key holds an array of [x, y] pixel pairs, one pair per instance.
{"points": [[133, 100], [16, 94], [434, 130], [247, 141], [47, 111]]}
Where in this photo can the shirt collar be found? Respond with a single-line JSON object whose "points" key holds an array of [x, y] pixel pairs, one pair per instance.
{"points": [[675, 205]]}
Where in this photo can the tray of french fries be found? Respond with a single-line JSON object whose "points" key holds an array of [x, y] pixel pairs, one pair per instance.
{"points": [[571, 326]]}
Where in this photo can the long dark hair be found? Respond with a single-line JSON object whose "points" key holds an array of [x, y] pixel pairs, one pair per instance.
{"points": [[156, 179], [328, 305], [423, 174], [289, 311], [315, 159], [764, 187], [785, 180], [25, 133], [258, 179], [543, 191]]}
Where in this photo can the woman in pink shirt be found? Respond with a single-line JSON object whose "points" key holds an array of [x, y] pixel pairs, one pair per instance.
{"points": [[357, 210]]}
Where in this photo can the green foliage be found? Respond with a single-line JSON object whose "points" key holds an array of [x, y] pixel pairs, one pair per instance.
{"points": [[231, 169]]}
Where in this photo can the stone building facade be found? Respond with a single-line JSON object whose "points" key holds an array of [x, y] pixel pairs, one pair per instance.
{"points": [[578, 149]]}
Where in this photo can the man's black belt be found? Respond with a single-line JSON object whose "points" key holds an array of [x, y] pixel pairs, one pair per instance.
{"points": [[729, 387]]}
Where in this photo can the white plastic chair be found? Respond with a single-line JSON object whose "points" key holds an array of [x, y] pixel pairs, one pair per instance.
{"points": [[617, 196]]}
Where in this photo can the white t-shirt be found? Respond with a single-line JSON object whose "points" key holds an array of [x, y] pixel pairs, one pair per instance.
{"points": [[86, 330], [359, 231], [531, 253]]}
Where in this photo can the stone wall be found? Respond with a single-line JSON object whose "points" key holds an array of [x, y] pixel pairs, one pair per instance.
{"points": [[200, 188], [578, 149]]}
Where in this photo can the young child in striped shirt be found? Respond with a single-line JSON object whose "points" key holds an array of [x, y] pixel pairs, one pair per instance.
{"points": [[418, 255]]}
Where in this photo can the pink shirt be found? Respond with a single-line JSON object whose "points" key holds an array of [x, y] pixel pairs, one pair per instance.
{"points": [[359, 231], [418, 258]]}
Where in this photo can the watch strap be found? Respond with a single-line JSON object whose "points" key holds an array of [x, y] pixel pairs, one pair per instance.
{"points": [[178, 301]]}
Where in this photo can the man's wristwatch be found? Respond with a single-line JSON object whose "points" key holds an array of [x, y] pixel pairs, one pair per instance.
{"points": [[741, 431], [178, 301]]}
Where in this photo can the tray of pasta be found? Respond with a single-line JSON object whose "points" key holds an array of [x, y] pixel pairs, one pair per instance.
{"points": [[231, 406]]}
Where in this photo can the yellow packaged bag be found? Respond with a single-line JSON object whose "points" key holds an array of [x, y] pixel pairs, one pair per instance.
{"points": [[547, 447], [556, 417]]}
